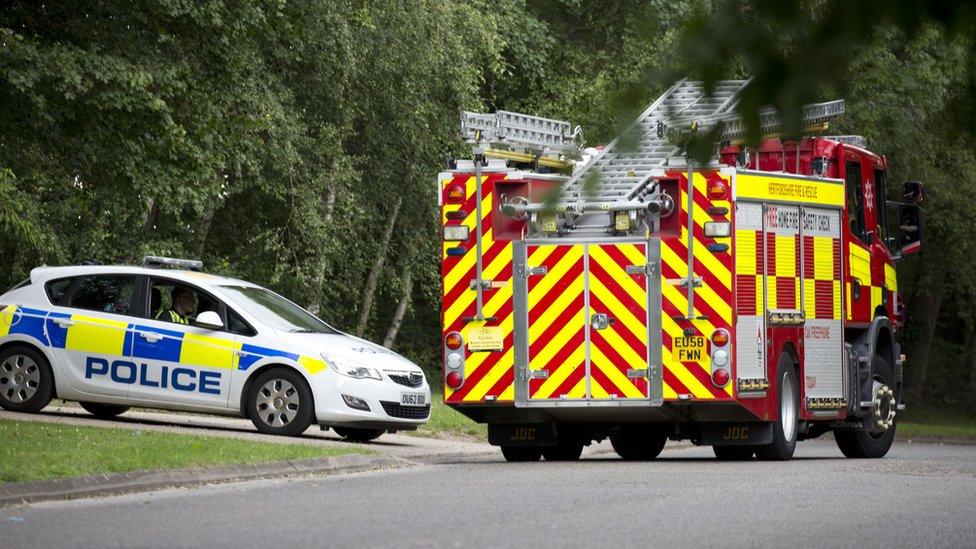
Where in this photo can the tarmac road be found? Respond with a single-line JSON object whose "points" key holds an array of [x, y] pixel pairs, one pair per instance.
{"points": [[920, 495]]}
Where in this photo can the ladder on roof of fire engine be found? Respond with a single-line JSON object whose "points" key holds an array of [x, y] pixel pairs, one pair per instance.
{"points": [[622, 174]]}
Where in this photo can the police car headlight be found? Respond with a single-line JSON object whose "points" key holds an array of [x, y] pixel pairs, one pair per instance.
{"points": [[348, 368]]}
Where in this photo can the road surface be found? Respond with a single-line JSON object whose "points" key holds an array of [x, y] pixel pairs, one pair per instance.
{"points": [[921, 495]]}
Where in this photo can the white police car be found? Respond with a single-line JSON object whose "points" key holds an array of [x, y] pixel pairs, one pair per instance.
{"points": [[112, 337]]}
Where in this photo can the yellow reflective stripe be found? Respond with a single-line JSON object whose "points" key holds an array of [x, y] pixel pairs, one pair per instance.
{"points": [[311, 365], [561, 371], [767, 187], [809, 298], [680, 298], [745, 252], [891, 278], [488, 380], [823, 258], [860, 263], [6, 319], [96, 335], [208, 351], [633, 324]]}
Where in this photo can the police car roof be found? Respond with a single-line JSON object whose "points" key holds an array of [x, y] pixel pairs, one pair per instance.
{"points": [[192, 277]]}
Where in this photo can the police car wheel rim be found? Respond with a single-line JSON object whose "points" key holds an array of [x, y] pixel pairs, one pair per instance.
{"points": [[277, 402], [19, 378]]}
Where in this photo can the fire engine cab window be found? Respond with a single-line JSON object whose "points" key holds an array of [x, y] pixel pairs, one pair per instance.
{"points": [[105, 293], [855, 200]]}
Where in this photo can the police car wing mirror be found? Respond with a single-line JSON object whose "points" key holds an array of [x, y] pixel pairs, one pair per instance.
{"points": [[209, 320]]}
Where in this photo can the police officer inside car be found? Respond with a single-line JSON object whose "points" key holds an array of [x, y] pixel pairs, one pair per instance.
{"points": [[183, 303]]}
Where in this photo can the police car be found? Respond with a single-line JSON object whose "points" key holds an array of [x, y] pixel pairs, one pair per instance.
{"points": [[112, 337]]}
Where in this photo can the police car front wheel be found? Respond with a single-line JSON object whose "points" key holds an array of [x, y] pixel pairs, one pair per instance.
{"points": [[280, 403], [103, 411], [26, 381]]}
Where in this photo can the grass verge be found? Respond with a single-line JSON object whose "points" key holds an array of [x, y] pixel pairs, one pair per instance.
{"points": [[446, 422], [42, 451], [937, 423]]}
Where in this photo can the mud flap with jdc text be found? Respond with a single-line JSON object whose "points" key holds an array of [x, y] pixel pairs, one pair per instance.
{"points": [[736, 434], [521, 434]]}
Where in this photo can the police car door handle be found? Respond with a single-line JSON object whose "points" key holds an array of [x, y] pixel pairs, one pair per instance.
{"points": [[64, 322], [150, 337]]}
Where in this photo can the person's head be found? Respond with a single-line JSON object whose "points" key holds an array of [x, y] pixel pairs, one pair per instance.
{"points": [[183, 300]]}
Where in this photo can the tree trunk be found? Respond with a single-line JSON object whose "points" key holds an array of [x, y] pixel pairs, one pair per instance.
{"points": [[205, 224], [925, 312], [313, 307], [152, 216], [401, 310], [374, 274]]}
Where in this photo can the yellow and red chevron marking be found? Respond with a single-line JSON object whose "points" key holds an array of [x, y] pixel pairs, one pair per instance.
{"points": [[622, 346], [713, 298], [486, 373], [557, 322]]}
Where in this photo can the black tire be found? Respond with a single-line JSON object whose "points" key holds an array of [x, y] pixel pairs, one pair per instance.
{"points": [[638, 444], [734, 453], [861, 444], [521, 453], [26, 380], [358, 435], [784, 429], [103, 411], [568, 449], [279, 402]]}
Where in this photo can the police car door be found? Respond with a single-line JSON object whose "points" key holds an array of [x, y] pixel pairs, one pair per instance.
{"points": [[89, 330], [180, 364]]}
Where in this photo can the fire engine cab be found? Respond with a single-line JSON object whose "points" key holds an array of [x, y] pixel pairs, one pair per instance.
{"points": [[745, 304]]}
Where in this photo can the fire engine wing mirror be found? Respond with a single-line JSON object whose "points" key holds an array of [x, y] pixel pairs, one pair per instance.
{"points": [[910, 228], [209, 320], [913, 192]]}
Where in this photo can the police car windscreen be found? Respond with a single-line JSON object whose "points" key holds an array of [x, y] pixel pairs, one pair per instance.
{"points": [[276, 311]]}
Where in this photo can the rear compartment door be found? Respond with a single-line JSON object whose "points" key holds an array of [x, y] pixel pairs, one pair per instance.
{"points": [[617, 312], [581, 323], [555, 308]]}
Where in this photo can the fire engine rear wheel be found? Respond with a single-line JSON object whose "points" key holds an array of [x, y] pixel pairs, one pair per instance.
{"points": [[785, 428], [522, 453], [878, 433], [103, 411], [734, 453], [567, 449], [638, 444]]}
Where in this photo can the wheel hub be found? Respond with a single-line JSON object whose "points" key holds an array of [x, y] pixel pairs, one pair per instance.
{"points": [[885, 408], [19, 378], [277, 402]]}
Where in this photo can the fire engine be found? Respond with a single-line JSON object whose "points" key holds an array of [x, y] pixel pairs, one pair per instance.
{"points": [[745, 304]]}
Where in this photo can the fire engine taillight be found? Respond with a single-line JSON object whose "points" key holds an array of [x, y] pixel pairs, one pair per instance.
{"points": [[456, 215], [718, 190], [720, 377], [454, 193], [454, 380], [453, 341], [720, 338]]}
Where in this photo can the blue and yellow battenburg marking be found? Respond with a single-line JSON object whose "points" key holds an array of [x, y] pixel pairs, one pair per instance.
{"points": [[114, 337]]}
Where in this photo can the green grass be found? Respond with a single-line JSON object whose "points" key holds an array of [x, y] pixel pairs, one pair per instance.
{"points": [[39, 451], [937, 423], [447, 422]]}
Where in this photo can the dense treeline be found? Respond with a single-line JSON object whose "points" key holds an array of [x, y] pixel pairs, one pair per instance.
{"points": [[295, 143]]}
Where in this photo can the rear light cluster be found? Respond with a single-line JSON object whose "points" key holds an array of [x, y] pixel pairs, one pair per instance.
{"points": [[454, 360], [720, 358]]}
